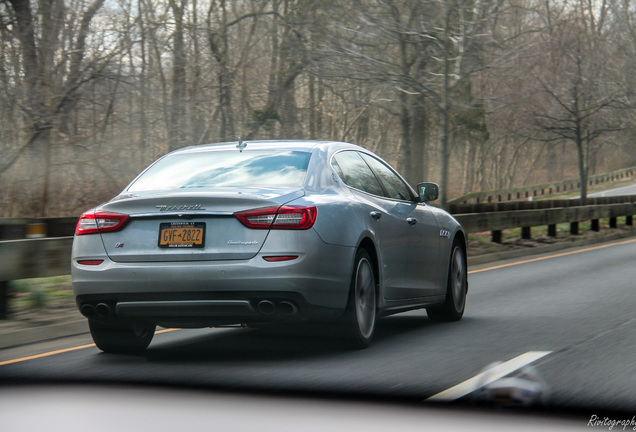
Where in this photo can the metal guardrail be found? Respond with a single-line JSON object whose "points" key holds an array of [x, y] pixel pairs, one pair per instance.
{"points": [[495, 222], [43, 257], [21, 228], [31, 258], [508, 206], [541, 190], [33, 247]]}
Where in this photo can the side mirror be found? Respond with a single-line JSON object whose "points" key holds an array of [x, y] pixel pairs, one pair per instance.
{"points": [[428, 191]]}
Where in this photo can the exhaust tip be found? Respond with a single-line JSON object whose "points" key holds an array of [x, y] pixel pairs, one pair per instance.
{"points": [[88, 311], [287, 308], [266, 307], [103, 310]]}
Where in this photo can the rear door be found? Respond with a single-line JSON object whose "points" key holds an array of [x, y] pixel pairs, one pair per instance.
{"points": [[386, 217], [422, 260]]}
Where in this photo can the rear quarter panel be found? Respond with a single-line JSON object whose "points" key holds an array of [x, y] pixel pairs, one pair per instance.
{"points": [[448, 223]]}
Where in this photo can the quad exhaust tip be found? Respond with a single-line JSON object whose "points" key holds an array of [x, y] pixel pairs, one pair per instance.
{"points": [[287, 308], [88, 311], [103, 310], [100, 310], [267, 307]]}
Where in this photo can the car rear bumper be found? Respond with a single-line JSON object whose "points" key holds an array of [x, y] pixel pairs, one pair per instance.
{"points": [[243, 308], [206, 292]]}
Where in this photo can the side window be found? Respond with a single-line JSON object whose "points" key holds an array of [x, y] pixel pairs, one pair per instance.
{"points": [[393, 184], [356, 173]]}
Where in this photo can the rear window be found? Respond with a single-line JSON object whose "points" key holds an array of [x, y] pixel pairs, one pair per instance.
{"points": [[225, 169]]}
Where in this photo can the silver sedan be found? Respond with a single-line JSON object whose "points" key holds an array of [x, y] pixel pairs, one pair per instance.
{"points": [[261, 232]]}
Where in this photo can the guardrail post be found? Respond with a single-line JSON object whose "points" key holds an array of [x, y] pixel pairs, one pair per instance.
{"points": [[629, 220], [526, 233], [613, 222], [496, 236], [594, 225], [574, 228], [552, 230], [4, 299]]}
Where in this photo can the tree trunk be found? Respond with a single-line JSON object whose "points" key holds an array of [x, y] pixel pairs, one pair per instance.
{"points": [[196, 120], [176, 130], [419, 163], [287, 63], [220, 49], [445, 156], [469, 171], [582, 162], [552, 167], [405, 136], [143, 93], [312, 107], [290, 127]]}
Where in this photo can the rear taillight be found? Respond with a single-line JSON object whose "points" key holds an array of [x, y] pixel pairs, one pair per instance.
{"points": [[93, 222], [285, 217], [261, 218], [280, 258], [90, 262]]}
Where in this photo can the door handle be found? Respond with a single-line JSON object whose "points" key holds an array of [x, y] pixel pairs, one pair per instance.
{"points": [[411, 221], [375, 215]]}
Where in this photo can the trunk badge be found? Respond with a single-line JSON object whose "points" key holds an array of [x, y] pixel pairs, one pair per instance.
{"points": [[186, 207]]}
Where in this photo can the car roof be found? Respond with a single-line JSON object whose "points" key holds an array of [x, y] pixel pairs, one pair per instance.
{"points": [[298, 145]]}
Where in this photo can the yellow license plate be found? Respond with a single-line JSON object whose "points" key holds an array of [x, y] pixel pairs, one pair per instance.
{"points": [[182, 235]]}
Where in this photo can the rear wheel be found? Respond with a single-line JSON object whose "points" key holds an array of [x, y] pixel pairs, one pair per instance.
{"points": [[122, 337], [361, 310], [453, 307]]}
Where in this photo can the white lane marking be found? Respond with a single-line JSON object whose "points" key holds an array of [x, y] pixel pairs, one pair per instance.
{"points": [[486, 377]]}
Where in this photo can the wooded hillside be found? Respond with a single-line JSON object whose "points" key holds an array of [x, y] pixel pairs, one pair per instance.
{"points": [[473, 94]]}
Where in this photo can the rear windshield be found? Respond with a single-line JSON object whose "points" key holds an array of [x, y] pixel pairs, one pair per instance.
{"points": [[225, 169]]}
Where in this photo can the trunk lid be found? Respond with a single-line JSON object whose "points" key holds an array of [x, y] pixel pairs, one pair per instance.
{"points": [[188, 214]]}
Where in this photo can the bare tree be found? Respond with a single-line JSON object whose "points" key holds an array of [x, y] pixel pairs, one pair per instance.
{"points": [[46, 103], [289, 58], [476, 94], [583, 97]]}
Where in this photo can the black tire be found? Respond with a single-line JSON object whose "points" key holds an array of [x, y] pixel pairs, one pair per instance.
{"points": [[457, 286], [122, 337], [360, 315]]}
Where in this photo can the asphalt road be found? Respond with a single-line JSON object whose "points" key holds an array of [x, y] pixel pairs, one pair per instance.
{"points": [[620, 191], [578, 307]]}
